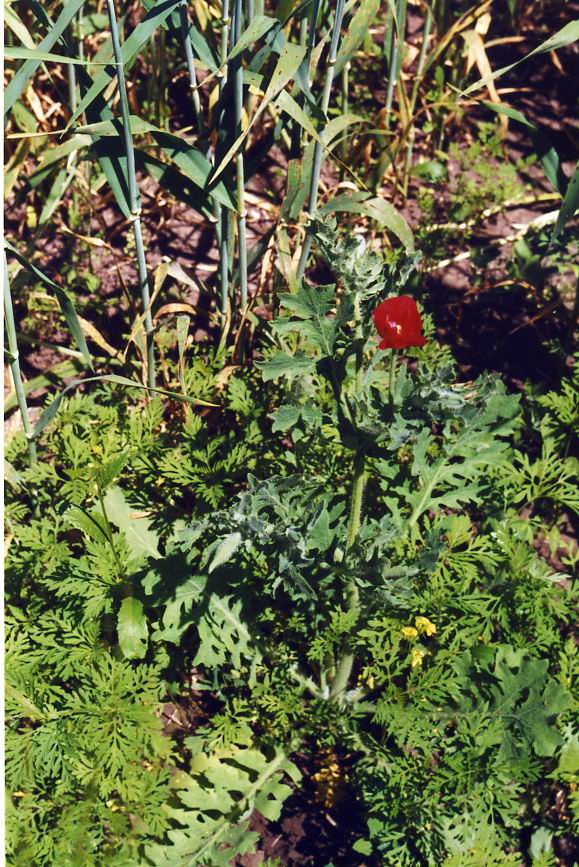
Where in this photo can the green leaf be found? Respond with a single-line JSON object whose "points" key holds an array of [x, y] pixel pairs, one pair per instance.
{"points": [[142, 541], [313, 304], [106, 474], [109, 150], [281, 364], [64, 301], [21, 78], [258, 27], [568, 34], [132, 629], [54, 376], [285, 68], [285, 418], [114, 127], [156, 16], [364, 847], [223, 636], [221, 789], [225, 550], [174, 182], [379, 210], [194, 166], [51, 410], [202, 49], [569, 206], [19, 53], [59, 187], [14, 23], [357, 32], [90, 523], [544, 149], [187, 595]]}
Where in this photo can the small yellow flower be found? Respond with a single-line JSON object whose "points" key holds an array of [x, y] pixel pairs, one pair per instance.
{"points": [[426, 626], [417, 657], [409, 632]]}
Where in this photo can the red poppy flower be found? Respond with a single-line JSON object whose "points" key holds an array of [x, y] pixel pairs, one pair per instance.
{"points": [[398, 323]]}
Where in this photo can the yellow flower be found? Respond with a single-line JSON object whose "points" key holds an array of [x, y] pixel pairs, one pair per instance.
{"points": [[424, 625], [409, 632], [417, 657]]}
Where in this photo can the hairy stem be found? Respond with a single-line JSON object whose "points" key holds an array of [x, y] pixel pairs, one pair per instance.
{"points": [[392, 375], [346, 662]]}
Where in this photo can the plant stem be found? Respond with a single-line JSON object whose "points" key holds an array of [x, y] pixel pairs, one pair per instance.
{"points": [[237, 68], [15, 365], [308, 38], [428, 20], [345, 109], [184, 22], [120, 571], [134, 198], [344, 667], [395, 58], [222, 224], [392, 376], [346, 662], [317, 161]]}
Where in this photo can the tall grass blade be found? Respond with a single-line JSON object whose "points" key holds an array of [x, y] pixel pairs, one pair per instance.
{"points": [[156, 16], [66, 305], [14, 361], [237, 75], [22, 76], [317, 161], [134, 197]]}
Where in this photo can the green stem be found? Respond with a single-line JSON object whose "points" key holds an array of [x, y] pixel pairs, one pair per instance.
{"points": [[134, 198], [428, 20], [395, 54], [221, 213], [308, 27], [184, 23], [109, 529], [392, 375], [345, 109], [237, 76], [15, 365], [317, 160], [346, 662]]}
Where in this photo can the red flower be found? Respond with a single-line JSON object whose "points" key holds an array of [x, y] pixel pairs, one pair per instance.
{"points": [[398, 323]]}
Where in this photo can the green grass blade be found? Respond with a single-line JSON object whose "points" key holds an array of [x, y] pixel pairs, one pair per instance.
{"points": [[285, 69], [156, 16], [570, 205], [64, 301], [22, 76], [17, 53], [51, 410], [379, 210], [550, 159], [563, 37], [356, 32]]}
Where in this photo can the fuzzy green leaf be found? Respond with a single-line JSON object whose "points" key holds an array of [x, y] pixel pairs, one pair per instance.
{"points": [[281, 364]]}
